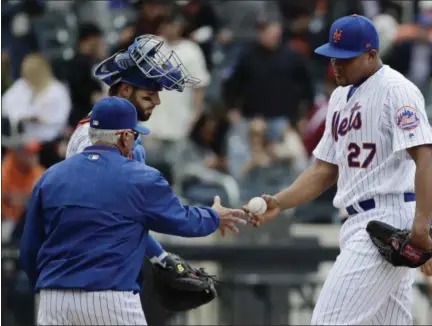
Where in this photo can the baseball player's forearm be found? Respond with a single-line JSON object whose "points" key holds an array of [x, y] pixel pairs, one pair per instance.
{"points": [[186, 221], [423, 190], [309, 185], [163, 212]]}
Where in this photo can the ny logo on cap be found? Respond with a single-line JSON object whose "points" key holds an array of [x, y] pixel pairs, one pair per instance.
{"points": [[337, 35]]}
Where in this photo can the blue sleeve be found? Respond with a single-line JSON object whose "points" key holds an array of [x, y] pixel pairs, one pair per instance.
{"points": [[153, 248], [33, 235], [138, 151], [162, 211]]}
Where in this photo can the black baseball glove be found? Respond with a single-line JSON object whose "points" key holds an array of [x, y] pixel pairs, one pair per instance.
{"points": [[181, 287], [395, 245]]}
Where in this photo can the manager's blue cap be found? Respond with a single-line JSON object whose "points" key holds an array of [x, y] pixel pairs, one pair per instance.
{"points": [[116, 113], [350, 37]]}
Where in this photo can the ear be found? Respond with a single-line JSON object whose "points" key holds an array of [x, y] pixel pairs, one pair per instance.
{"points": [[125, 138], [125, 90], [373, 54]]}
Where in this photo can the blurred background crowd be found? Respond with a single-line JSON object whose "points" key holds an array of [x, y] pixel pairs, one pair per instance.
{"points": [[249, 127]]}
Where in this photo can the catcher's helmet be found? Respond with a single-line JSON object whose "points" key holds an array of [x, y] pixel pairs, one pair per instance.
{"points": [[145, 66]]}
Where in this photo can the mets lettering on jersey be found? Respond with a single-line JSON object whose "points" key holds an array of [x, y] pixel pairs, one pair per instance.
{"points": [[341, 128]]}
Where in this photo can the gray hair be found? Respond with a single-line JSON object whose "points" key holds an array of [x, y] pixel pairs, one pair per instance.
{"points": [[104, 135]]}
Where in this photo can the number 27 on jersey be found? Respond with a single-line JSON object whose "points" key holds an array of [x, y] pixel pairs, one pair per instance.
{"points": [[354, 151]]}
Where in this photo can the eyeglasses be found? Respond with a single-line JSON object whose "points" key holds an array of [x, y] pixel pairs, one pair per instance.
{"points": [[135, 134]]}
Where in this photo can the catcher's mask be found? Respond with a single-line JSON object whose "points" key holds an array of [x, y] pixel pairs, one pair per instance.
{"points": [[145, 66]]}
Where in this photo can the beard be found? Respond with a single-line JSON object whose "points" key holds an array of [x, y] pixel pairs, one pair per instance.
{"points": [[141, 113], [142, 116]]}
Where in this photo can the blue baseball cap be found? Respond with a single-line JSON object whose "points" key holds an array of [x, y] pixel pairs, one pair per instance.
{"points": [[350, 37], [115, 113]]}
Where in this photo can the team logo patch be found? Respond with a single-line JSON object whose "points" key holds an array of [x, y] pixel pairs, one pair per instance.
{"points": [[407, 118], [93, 157], [337, 35], [394, 243]]}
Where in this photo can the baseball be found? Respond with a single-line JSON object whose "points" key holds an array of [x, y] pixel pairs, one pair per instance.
{"points": [[257, 206]]}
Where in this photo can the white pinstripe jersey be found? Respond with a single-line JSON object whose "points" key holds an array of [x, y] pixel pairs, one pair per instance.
{"points": [[79, 140], [367, 136]]}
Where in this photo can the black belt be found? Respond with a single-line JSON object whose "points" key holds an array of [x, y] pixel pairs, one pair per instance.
{"points": [[369, 204]]}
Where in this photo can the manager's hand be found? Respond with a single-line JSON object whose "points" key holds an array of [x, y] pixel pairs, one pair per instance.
{"points": [[228, 217]]}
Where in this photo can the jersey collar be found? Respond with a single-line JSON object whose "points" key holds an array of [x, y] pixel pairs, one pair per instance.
{"points": [[101, 148]]}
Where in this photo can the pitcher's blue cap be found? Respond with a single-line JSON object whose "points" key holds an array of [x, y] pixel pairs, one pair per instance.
{"points": [[115, 113], [350, 37]]}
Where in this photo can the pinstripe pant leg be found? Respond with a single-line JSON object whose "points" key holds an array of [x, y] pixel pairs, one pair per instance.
{"points": [[53, 306], [106, 308], [396, 311], [359, 284]]}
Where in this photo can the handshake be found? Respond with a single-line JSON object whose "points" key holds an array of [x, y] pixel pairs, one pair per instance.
{"points": [[259, 210]]}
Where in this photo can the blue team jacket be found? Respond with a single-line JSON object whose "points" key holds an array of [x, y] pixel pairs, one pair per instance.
{"points": [[88, 220]]}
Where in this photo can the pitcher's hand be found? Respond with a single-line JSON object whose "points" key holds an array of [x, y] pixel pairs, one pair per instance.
{"points": [[229, 217], [273, 210]]}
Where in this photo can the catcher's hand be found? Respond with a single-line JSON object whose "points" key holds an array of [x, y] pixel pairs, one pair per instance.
{"points": [[181, 287], [395, 245]]}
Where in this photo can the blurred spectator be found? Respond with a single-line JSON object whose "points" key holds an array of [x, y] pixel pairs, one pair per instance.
{"points": [[201, 26], [150, 15], [18, 30], [126, 37], [172, 121], [77, 72], [297, 16], [205, 147], [270, 81], [238, 20], [259, 151], [411, 54], [237, 30], [20, 171], [314, 126], [387, 28], [291, 151], [38, 102], [6, 80], [86, 11], [206, 143]]}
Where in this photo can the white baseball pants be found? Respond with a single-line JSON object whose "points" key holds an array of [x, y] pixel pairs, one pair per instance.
{"points": [[362, 288], [76, 307]]}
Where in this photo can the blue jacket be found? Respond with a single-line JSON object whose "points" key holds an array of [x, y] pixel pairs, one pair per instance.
{"points": [[88, 220], [138, 151]]}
